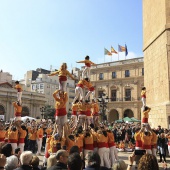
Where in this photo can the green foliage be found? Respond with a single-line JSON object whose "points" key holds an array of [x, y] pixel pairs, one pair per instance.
{"points": [[49, 112]]}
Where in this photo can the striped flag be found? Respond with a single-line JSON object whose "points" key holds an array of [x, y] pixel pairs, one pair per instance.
{"points": [[123, 49], [113, 50], [107, 52]]}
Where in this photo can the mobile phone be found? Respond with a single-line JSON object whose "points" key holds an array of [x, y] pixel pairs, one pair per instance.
{"points": [[140, 152]]}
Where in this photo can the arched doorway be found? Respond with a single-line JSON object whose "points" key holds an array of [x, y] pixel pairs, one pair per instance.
{"points": [[113, 115], [128, 113], [2, 112], [25, 111]]}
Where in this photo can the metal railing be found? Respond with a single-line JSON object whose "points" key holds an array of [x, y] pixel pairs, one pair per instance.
{"points": [[116, 63], [115, 99]]}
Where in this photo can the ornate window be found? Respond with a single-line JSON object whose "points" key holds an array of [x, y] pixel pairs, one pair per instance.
{"points": [[113, 75], [101, 76], [127, 94], [113, 95], [142, 71], [127, 73]]}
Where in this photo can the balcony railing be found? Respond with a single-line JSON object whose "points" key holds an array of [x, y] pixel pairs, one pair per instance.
{"points": [[114, 99], [116, 63]]}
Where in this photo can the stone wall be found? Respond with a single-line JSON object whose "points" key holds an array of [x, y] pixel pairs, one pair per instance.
{"points": [[156, 60]]}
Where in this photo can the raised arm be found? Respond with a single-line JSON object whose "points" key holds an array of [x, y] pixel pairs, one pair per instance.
{"points": [[70, 75], [54, 95], [82, 61], [92, 63], [53, 73], [14, 104]]}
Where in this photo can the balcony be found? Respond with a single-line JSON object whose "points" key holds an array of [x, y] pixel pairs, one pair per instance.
{"points": [[117, 63], [114, 99]]}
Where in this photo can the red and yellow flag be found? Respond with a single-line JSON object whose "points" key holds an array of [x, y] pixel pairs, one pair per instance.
{"points": [[113, 50]]}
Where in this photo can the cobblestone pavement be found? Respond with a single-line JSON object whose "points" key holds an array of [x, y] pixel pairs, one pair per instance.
{"points": [[124, 156]]}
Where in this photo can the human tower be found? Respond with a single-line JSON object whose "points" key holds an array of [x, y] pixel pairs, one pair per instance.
{"points": [[84, 129]]}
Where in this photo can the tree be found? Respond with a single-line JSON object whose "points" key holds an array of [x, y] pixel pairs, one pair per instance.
{"points": [[49, 112]]}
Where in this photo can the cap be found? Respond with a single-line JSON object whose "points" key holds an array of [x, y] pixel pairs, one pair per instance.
{"points": [[56, 136]]}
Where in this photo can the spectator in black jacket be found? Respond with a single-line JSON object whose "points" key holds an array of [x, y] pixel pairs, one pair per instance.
{"points": [[74, 161], [162, 147]]}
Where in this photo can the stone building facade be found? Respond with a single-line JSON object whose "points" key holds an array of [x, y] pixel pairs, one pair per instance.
{"points": [[156, 48], [121, 82], [31, 102]]}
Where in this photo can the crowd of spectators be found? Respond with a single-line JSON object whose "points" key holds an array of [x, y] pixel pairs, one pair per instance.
{"points": [[123, 133]]}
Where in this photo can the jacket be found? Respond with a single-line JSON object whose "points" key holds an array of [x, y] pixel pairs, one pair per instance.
{"points": [[58, 166], [24, 167]]}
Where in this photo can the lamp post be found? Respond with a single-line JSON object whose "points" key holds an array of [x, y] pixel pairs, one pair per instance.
{"points": [[103, 104], [42, 110]]}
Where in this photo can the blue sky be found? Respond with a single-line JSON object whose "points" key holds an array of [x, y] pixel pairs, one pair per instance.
{"points": [[37, 34]]}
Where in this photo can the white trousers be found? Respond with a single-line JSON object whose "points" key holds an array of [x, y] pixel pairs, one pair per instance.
{"points": [[86, 72], [14, 146], [74, 119], [169, 149], [39, 143], [19, 95], [154, 151], [113, 155], [88, 94], [21, 146], [62, 85], [81, 119], [78, 91], [95, 119], [148, 151], [60, 121], [143, 102], [17, 118], [104, 156], [89, 120]]}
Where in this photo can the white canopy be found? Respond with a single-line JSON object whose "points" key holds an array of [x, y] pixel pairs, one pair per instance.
{"points": [[27, 117]]}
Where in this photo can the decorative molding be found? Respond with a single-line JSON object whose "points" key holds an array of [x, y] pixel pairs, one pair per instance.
{"points": [[135, 82]]}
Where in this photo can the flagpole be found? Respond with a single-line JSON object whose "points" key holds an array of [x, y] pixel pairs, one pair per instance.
{"points": [[118, 52], [104, 54], [125, 52]]}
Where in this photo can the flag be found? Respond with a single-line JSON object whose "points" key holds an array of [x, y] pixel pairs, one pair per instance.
{"points": [[107, 52], [123, 49], [113, 50], [126, 52]]}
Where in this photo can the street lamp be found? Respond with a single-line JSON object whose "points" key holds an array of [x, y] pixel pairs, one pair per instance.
{"points": [[42, 110], [103, 104]]}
